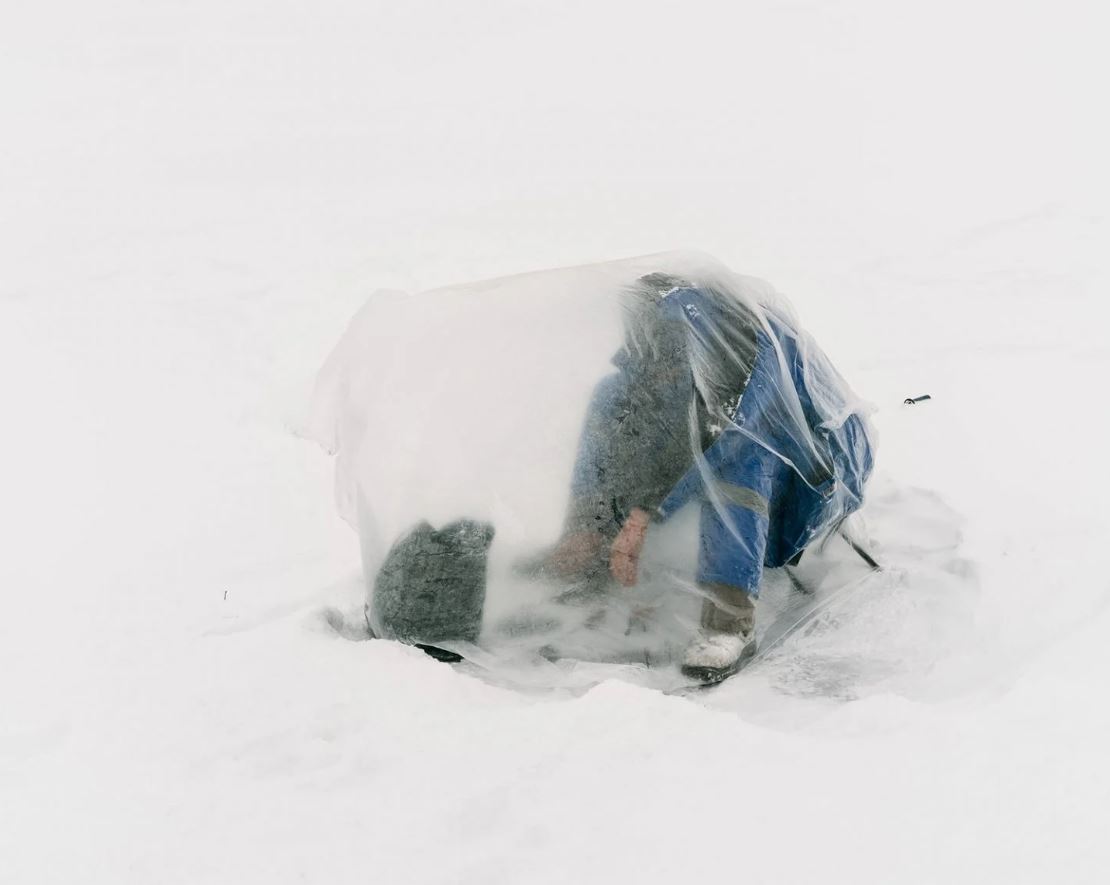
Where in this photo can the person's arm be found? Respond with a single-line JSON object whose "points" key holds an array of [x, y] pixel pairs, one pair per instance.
{"points": [[690, 486]]}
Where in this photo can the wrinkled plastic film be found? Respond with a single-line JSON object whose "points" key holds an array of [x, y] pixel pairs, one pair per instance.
{"points": [[548, 408]]}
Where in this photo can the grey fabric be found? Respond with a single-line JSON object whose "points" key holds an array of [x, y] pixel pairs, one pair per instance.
{"points": [[743, 497], [728, 609], [648, 421], [432, 586]]}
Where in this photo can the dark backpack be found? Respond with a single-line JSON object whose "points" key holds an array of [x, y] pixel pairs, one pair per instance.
{"points": [[432, 586]]}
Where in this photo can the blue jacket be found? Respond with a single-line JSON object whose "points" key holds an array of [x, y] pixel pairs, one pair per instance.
{"points": [[771, 481], [770, 493]]}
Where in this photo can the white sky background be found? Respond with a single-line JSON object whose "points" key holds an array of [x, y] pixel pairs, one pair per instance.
{"points": [[194, 199], [772, 133]]}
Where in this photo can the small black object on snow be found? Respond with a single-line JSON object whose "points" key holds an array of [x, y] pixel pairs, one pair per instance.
{"points": [[909, 401]]}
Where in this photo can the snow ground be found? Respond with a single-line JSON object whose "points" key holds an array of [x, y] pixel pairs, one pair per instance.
{"points": [[195, 199]]}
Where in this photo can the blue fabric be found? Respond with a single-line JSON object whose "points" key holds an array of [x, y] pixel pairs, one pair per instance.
{"points": [[736, 541], [806, 490]]}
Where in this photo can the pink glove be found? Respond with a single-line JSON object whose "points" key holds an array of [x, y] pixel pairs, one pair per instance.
{"points": [[624, 556]]}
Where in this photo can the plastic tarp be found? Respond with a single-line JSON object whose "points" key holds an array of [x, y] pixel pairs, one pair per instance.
{"points": [[630, 431]]}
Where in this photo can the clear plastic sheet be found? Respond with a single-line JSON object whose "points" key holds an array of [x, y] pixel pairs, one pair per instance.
{"points": [[596, 446]]}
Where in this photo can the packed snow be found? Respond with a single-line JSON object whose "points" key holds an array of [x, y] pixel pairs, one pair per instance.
{"points": [[196, 201]]}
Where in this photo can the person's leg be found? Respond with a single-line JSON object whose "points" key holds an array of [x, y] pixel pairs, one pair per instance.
{"points": [[727, 609], [726, 640], [727, 567]]}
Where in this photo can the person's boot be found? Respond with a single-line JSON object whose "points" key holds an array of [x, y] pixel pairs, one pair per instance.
{"points": [[726, 640]]}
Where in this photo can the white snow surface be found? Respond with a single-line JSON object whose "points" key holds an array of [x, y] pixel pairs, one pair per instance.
{"points": [[195, 199]]}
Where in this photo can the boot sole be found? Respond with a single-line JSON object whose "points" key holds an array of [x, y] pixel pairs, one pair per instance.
{"points": [[712, 675]]}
